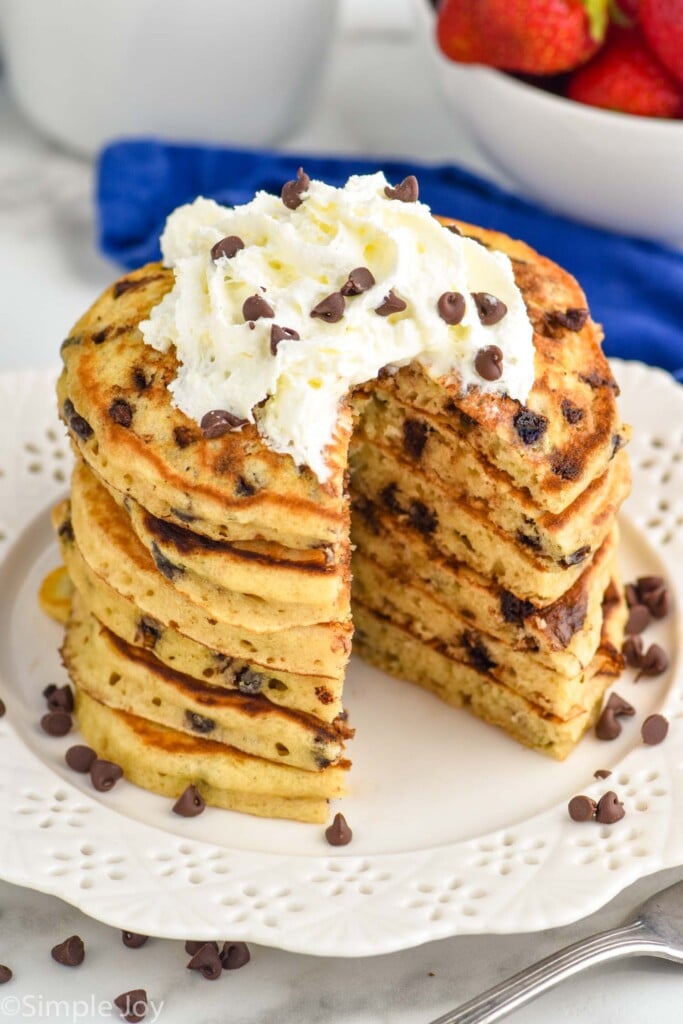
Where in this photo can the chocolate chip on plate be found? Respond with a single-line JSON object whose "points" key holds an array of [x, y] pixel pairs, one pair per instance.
{"points": [[3, 708], [49, 690], [489, 362], [619, 706], [602, 773], [190, 803], [632, 596], [654, 729], [653, 662], [491, 309], [207, 961], [391, 303], [132, 1005], [61, 699], [451, 307], [607, 727], [278, 334], [654, 594], [292, 191], [226, 248], [358, 281], [56, 723], [5, 974], [234, 955], [217, 422], [70, 953], [104, 774], [338, 833], [406, 191], [610, 809], [133, 940], [581, 808], [633, 650], [256, 307], [192, 946], [80, 758], [638, 619]]}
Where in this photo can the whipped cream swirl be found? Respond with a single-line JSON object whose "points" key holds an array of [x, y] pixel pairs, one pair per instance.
{"points": [[294, 259]]}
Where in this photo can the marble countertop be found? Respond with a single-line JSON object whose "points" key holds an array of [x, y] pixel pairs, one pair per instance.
{"points": [[378, 97]]}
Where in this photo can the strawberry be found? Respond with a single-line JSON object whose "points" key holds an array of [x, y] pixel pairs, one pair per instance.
{"points": [[534, 37], [662, 23], [627, 77]]}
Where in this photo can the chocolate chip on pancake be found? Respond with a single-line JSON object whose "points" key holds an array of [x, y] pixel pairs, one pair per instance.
{"points": [[654, 729], [578, 556], [571, 412], [121, 412], [278, 334], [101, 336], [530, 426], [391, 303], [415, 433], [104, 774], [422, 518], [185, 436], [256, 307], [573, 318], [338, 833], [610, 809], [582, 808], [406, 191], [70, 952], [330, 309], [488, 363], [514, 609], [199, 723], [56, 723], [165, 566], [292, 191], [190, 803], [148, 632], [491, 309], [218, 422], [454, 229], [129, 284], [358, 281], [451, 307], [566, 466], [81, 427], [226, 248]]}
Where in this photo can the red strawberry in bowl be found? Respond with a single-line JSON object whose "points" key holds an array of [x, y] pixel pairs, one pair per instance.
{"points": [[533, 37], [662, 23]]}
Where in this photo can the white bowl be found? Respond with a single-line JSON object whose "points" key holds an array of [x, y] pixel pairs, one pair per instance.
{"points": [[613, 170], [228, 71]]}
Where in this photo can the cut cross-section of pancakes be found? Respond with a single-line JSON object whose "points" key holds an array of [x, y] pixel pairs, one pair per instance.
{"points": [[214, 607]]}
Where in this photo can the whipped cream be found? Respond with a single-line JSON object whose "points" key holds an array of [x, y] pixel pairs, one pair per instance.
{"points": [[295, 258]]}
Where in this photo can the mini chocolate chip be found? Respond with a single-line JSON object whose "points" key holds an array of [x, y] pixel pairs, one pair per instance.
{"points": [[3, 709], [451, 307], [227, 248], [618, 706], [491, 310], [390, 304], [184, 436], [61, 699], [454, 229], [654, 729], [654, 661], [514, 609], [566, 466], [338, 833], [533, 542], [488, 362], [358, 281], [132, 1005], [140, 381], [638, 619], [330, 309], [389, 498], [610, 809], [572, 413], [243, 489], [234, 955], [249, 682], [573, 318], [81, 427], [632, 596], [607, 726], [198, 723], [133, 940], [80, 758], [56, 723], [530, 426], [192, 946], [633, 650], [577, 556], [581, 808], [406, 192], [422, 518], [256, 307], [292, 190], [148, 632], [70, 953], [101, 336], [120, 412], [207, 961], [278, 334], [68, 408], [104, 774], [415, 434], [190, 803], [5, 974], [602, 773], [165, 566], [218, 422]]}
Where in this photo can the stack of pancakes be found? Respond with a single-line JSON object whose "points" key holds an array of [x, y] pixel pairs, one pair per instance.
{"points": [[211, 621]]}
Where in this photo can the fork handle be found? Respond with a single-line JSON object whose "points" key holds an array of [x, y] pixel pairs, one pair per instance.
{"points": [[631, 940]]}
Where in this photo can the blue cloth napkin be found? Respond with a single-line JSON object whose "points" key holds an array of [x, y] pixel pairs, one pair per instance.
{"points": [[634, 287]]}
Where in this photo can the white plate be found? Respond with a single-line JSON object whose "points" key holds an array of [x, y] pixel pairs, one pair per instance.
{"points": [[456, 828]]}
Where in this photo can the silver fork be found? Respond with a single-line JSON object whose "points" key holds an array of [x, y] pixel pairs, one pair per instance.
{"points": [[657, 930]]}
